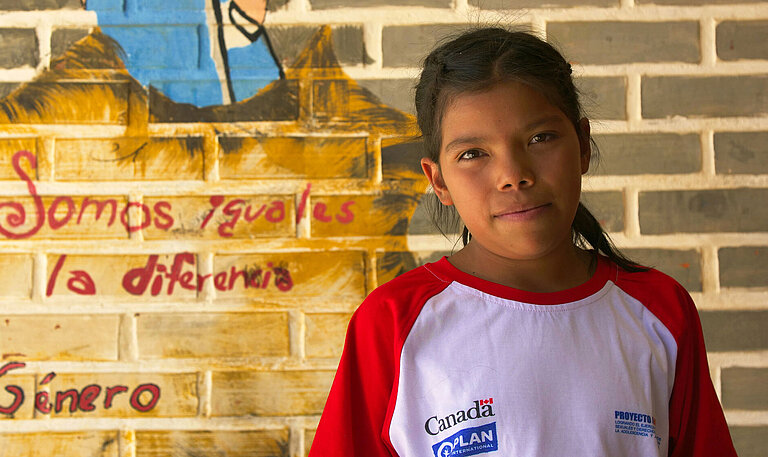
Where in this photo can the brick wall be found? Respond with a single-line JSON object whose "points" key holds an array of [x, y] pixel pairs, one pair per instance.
{"points": [[177, 278]]}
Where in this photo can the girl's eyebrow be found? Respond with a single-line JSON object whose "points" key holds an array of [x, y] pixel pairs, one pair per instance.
{"points": [[463, 140]]}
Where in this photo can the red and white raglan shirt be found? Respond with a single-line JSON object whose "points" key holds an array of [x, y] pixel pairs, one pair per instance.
{"points": [[439, 363]]}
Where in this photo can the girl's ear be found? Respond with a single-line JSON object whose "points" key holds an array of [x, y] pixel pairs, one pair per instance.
{"points": [[585, 145], [432, 172]]}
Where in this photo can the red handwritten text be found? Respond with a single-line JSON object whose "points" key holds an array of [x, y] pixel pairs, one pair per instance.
{"points": [[143, 397]]}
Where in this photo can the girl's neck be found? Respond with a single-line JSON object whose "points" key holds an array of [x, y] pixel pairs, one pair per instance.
{"points": [[559, 270]]}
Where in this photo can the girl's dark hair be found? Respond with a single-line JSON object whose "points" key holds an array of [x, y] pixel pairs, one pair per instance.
{"points": [[476, 60]]}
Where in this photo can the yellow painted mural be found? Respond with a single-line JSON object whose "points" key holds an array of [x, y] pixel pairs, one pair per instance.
{"points": [[179, 261]]}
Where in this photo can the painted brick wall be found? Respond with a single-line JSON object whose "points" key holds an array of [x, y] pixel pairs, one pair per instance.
{"points": [[176, 278]]}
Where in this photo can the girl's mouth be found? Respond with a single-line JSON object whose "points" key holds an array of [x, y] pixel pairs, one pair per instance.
{"points": [[526, 213]]}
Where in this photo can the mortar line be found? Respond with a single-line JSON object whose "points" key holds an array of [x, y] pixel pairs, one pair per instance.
{"points": [[206, 391], [632, 213], [44, 35], [710, 266], [708, 41], [708, 160], [634, 100], [39, 276], [297, 331], [131, 435]]}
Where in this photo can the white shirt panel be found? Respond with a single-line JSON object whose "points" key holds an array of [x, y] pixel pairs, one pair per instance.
{"points": [[591, 377]]}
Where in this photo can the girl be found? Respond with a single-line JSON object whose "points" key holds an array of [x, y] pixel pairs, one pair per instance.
{"points": [[537, 338]]}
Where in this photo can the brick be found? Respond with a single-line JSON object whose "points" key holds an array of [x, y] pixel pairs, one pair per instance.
{"points": [[744, 266], [634, 154], [16, 275], [277, 101], [72, 218], [603, 43], [52, 102], [109, 274], [703, 211], [325, 334], [33, 5], [348, 44], [237, 217], [513, 4], [407, 45], [397, 93], [347, 41], [391, 264], [293, 157], [330, 99], [362, 215], [241, 443], [64, 337], [735, 330], [430, 209], [326, 4], [149, 5], [750, 441], [400, 159], [741, 152], [25, 382], [129, 158], [745, 388], [215, 335], [707, 96], [9, 147], [178, 395], [18, 48], [269, 393], [161, 55], [684, 266], [696, 2], [603, 97], [67, 444], [62, 39], [305, 275], [742, 40], [274, 5], [607, 207]]}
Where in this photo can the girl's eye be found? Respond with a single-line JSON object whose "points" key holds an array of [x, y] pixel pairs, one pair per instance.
{"points": [[542, 138], [470, 154]]}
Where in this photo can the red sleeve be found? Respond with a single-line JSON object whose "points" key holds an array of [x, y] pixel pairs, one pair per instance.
{"points": [[697, 425], [354, 415], [357, 415]]}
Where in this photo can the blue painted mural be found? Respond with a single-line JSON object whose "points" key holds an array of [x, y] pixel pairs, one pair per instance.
{"points": [[221, 46]]}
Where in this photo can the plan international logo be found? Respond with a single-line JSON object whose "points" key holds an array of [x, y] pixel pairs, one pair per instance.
{"points": [[470, 441]]}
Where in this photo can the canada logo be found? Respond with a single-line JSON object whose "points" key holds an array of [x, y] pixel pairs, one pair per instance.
{"points": [[479, 408], [468, 441]]}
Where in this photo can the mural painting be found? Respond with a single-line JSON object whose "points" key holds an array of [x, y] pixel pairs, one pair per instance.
{"points": [[192, 220]]}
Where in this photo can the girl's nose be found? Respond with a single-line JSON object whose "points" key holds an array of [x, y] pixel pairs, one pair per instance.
{"points": [[515, 173]]}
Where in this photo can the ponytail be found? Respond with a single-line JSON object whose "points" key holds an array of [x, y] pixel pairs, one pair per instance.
{"points": [[586, 228]]}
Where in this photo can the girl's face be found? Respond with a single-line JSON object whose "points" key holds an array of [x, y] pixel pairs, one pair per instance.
{"points": [[511, 163]]}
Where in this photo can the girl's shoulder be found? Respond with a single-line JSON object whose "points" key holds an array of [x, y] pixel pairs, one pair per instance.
{"points": [[662, 295], [410, 287], [389, 311]]}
